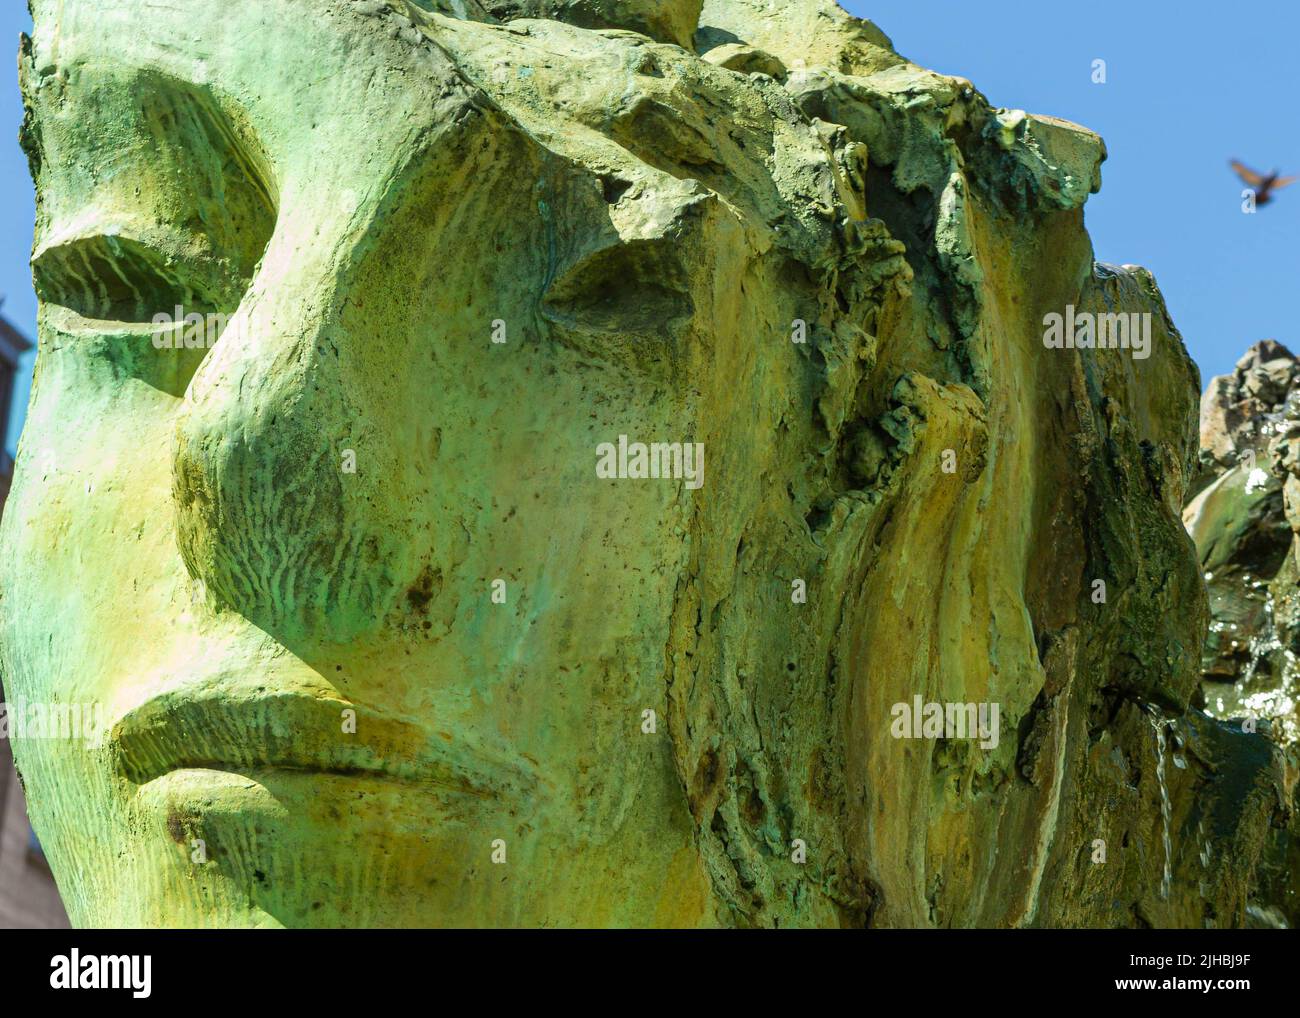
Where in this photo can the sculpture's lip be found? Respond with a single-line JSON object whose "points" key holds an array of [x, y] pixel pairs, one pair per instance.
{"points": [[303, 732]]}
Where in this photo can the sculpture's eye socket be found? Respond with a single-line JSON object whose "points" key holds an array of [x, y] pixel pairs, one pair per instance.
{"points": [[157, 203]]}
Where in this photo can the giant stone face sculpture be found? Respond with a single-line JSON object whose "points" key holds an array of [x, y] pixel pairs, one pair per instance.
{"points": [[375, 639]]}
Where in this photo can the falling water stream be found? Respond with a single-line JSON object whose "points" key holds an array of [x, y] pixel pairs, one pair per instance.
{"points": [[1160, 723], [1268, 686]]}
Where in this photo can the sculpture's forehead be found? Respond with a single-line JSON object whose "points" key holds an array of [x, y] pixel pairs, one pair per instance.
{"points": [[135, 100], [345, 91], [306, 74], [344, 96]]}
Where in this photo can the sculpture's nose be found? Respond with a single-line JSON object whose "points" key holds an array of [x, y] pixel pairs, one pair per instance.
{"points": [[303, 455], [274, 513], [303, 467]]}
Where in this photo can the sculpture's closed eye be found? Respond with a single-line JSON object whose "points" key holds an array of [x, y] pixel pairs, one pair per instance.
{"points": [[127, 304], [624, 303], [159, 207], [115, 279]]}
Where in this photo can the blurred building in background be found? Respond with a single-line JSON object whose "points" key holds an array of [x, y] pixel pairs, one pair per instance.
{"points": [[28, 897], [12, 346]]}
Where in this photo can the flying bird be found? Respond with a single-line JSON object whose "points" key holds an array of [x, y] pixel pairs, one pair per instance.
{"points": [[1262, 185]]}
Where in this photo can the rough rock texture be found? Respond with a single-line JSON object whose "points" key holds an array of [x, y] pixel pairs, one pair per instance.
{"points": [[773, 236], [1240, 516], [1245, 519], [663, 20]]}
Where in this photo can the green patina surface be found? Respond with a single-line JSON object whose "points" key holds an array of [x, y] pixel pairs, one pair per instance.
{"points": [[273, 561]]}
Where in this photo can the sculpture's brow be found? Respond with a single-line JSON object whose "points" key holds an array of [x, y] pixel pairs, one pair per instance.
{"points": [[227, 123]]}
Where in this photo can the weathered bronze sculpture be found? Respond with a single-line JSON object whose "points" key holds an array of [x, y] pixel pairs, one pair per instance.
{"points": [[376, 639]]}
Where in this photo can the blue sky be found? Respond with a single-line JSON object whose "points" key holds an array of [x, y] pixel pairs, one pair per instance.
{"points": [[1188, 87], [17, 206]]}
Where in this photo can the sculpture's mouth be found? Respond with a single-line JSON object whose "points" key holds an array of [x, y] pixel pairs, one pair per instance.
{"points": [[297, 731]]}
